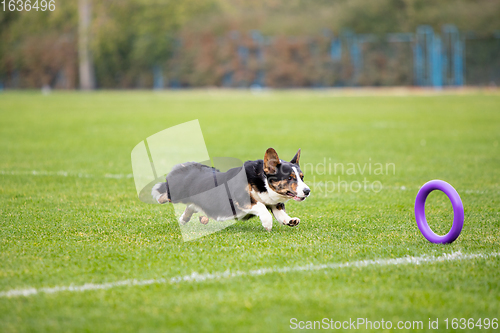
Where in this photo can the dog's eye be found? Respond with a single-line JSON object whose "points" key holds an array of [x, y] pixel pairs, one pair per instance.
{"points": [[290, 178]]}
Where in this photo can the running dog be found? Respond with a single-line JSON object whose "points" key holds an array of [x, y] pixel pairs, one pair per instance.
{"points": [[255, 189]]}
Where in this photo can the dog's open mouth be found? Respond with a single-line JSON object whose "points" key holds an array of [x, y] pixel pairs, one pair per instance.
{"points": [[295, 197]]}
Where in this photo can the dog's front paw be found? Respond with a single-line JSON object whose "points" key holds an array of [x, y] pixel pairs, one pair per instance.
{"points": [[268, 225], [293, 222]]}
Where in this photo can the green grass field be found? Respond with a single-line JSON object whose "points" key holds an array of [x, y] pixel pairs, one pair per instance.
{"points": [[78, 220]]}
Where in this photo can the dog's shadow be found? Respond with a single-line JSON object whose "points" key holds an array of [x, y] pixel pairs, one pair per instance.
{"points": [[253, 225]]}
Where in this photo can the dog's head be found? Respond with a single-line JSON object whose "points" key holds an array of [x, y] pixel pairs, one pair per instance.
{"points": [[285, 178]]}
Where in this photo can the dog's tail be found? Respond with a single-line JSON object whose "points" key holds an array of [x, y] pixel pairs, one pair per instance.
{"points": [[161, 193]]}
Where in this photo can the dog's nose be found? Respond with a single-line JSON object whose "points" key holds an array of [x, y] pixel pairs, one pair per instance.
{"points": [[307, 191]]}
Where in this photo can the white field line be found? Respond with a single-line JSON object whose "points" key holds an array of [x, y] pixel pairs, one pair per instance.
{"points": [[196, 277]]}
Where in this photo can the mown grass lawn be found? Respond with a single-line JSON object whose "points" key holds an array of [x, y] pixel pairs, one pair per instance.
{"points": [[77, 219]]}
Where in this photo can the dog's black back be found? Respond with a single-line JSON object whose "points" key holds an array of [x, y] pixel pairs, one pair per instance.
{"points": [[208, 189]]}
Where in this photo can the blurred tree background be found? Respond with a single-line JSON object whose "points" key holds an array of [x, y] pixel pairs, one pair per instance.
{"points": [[192, 41]]}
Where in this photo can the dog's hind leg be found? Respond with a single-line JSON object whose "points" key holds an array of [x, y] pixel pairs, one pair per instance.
{"points": [[186, 216]]}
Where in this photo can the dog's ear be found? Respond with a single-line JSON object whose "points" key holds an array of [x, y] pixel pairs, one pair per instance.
{"points": [[296, 158], [271, 161]]}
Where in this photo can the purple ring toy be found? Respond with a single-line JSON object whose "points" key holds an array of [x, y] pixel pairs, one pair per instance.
{"points": [[458, 212]]}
